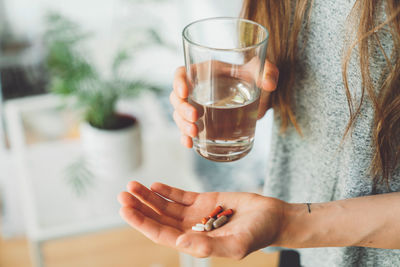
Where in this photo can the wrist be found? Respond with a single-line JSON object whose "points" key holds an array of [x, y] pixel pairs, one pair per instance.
{"points": [[297, 227], [282, 233]]}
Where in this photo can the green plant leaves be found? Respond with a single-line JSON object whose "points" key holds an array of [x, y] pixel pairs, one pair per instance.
{"points": [[79, 176], [73, 74]]}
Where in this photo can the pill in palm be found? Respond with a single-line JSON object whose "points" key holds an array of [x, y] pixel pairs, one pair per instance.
{"points": [[215, 219], [215, 212], [197, 228], [227, 212], [220, 221], [209, 225]]}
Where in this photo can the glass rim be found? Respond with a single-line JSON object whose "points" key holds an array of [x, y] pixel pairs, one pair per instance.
{"points": [[186, 38]]}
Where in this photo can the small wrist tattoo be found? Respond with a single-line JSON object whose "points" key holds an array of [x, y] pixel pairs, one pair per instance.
{"points": [[309, 207]]}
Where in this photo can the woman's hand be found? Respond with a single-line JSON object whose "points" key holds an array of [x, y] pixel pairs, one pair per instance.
{"points": [[166, 215], [185, 115]]}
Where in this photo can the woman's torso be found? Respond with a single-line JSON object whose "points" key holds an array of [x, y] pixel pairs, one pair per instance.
{"points": [[314, 167]]}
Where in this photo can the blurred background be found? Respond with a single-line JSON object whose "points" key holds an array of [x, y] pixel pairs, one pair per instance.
{"points": [[67, 66]]}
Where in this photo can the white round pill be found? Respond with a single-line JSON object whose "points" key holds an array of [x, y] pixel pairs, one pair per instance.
{"points": [[197, 228], [200, 225]]}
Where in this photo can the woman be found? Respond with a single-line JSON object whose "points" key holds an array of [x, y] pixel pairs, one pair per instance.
{"points": [[335, 145]]}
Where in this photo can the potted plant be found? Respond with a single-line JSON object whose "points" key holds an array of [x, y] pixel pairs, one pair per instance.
{"points": [[111, 141]]}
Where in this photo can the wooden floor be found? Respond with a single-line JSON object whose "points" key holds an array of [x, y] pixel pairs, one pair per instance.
{"points": [[122, 247]]}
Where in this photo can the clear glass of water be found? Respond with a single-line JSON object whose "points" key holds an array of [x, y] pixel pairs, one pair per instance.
{"points": [[224, 60]]}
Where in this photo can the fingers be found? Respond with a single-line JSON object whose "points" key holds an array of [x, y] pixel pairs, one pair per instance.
{"points": [[264, 104], [128, 200], [195, 244], [185, 114], [179, 94], [203, 245], [157, 203], [186, 141], [179, 85], [157, 232], [184, 109], [269, 83], [174, 194], [271, 77], [187, 128]]}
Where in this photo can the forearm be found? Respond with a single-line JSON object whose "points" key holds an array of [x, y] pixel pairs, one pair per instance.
{"points": [[371, 221]]}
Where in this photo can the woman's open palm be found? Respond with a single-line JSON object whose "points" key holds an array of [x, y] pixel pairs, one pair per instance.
{"points": [[166, 215]]}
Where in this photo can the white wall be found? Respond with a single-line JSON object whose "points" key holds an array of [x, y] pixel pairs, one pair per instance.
{"points": [[26, 16], [106, 16], [114, 23]]}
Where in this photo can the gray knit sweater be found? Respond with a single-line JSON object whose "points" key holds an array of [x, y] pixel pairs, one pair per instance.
{"points": [[314, 168]]}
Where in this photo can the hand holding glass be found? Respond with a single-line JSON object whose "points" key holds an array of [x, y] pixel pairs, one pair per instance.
{"points": [[224, 66]]}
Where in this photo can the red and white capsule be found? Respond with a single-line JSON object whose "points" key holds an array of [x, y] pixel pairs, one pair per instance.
{"points": [[227, 212], [215, 212]]}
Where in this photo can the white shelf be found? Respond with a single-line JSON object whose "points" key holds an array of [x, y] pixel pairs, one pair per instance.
{"points": [[52, 208]]}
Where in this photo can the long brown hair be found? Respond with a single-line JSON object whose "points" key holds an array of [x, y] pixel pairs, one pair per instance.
{"points": [[285, 19]]}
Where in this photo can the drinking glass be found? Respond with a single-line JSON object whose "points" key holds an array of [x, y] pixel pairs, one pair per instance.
{"points": [[224, 59]]}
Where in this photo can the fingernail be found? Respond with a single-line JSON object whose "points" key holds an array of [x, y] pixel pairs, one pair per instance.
{"points": [[269, 83], [272, 77]]}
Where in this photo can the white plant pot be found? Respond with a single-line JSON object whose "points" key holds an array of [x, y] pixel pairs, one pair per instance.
{"points": [[111, 153]]}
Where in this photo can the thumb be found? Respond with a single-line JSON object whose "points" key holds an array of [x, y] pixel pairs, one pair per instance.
{"points": [[264, 105], [270, 77], [202, 245]]}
